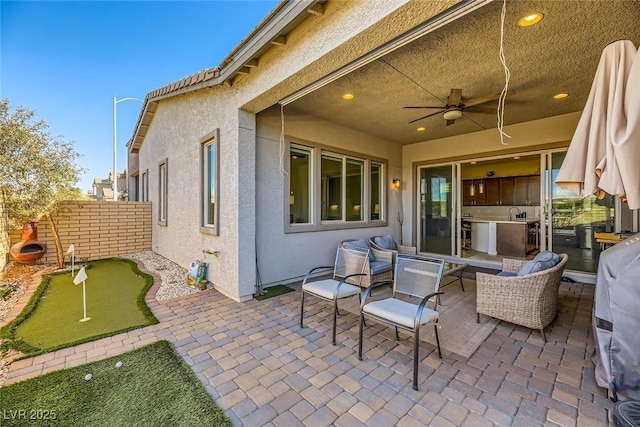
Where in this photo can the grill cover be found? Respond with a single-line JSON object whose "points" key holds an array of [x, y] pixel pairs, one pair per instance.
{"points": [[616, 319]]}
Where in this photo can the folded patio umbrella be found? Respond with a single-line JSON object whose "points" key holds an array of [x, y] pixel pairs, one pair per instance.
{"points": [[590, 166]]}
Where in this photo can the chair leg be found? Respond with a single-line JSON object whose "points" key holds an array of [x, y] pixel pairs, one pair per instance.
{"points": [[335, 319], [544, 338], [477, 317], [397, 336], [360, 335], [461, 284], [416, 351], [437, 340], [301, 309]]}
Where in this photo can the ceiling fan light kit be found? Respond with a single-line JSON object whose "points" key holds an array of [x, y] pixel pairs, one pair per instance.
{"points": [[452, 114]]}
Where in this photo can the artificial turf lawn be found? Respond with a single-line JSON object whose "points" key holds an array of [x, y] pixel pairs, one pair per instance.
{"points": [[274, 291], [154, 387], [115, 291]]}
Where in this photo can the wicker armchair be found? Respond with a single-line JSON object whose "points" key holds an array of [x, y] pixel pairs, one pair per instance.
{"points": [[530, 300], [400, 249], [375, 271]]}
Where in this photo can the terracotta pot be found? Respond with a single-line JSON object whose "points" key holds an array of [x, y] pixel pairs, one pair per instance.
{"points": [[30, 231]]}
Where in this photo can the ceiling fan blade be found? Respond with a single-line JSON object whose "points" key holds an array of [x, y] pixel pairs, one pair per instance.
{"points": [[481, 109], [425, 106], [424, 117], [487, 98], [455, 96], [450, 122]]}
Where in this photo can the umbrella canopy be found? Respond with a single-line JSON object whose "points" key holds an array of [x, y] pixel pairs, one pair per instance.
{"points": [[592, 163]]}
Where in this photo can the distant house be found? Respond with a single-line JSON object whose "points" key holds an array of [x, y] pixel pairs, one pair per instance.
{"points": [[102, 188], [302, 138]]}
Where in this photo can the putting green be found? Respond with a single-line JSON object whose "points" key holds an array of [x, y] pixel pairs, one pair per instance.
{"points": [[115, 302]]}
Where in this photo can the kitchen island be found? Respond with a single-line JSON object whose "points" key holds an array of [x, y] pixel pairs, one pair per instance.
{"points": [[496, 236]]}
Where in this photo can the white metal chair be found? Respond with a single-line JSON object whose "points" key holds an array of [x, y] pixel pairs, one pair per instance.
{"points": [[348, 271], [413, 277]]}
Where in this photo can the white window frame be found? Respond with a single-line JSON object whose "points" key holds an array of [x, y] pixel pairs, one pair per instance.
{"points": [[211, 139], [315, 179], [163, 181]]}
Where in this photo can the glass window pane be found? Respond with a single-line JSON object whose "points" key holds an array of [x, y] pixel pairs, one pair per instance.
{"points": [[331, 188], [299, 186], [163, 192], [355, 189], [210, 184], [376, 192]]}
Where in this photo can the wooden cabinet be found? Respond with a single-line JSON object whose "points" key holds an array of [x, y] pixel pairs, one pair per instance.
{"points": [[492, 189], [506, 191], [526, 191]]}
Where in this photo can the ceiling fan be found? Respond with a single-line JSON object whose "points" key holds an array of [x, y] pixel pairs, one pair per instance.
{"points": [[456, 105]]}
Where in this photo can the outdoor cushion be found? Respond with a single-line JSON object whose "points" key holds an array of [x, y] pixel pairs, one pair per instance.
{"points": [[359, 244], [379, 267], [547, 256], [535, 266], [401, 312], [326, 288], [507, 274], [386, 242]]}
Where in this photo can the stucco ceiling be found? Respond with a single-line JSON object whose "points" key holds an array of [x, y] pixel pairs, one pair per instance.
{"points": [[560, 54]]}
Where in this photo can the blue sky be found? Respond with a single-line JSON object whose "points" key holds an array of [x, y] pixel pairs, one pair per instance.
{"points": [[66, 60]]}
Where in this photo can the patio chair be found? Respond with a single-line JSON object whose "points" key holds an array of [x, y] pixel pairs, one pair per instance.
{"points": [[419, 278], [522, 293], [378, 266], [344, 282], [388, 244]]}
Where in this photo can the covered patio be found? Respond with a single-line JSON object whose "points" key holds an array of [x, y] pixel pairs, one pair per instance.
{"points": [[262, 369]]}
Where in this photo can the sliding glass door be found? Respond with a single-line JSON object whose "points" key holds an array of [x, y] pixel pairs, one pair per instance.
{"points": [[436, 209]]}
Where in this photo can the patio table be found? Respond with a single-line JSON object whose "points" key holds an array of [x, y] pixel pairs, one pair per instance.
{"points": [[452, 270]]}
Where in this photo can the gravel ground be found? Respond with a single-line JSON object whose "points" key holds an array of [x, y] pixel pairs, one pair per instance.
{"points": [[173, 277]]}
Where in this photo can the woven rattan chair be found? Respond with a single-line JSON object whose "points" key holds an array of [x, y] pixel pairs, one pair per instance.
{"points": [[344, 283], [418, 279], [400, 249], [378, 266], [530, 300]]}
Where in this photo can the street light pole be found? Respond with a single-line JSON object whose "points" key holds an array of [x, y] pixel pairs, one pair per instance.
{"points": [[115, 144]]}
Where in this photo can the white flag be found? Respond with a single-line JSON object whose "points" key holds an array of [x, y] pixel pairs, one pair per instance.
{"points": [[71, 249], [81, 277]]}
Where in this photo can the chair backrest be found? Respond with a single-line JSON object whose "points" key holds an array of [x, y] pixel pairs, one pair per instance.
{"points": [[417, 277], [350, 261]]}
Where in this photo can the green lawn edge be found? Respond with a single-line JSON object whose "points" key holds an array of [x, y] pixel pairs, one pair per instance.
{"points": [[32, 389], [8, 331]]}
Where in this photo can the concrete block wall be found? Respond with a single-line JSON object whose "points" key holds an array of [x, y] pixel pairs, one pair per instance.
{"points": [[98, 229]]}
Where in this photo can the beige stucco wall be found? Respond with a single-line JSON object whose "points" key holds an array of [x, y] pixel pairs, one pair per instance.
{"points": [[527, 136], [318, 46], [283, 256]]}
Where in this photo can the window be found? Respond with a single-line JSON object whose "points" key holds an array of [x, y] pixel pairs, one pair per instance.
{"points": [[210, 173], [144, 186], [162, 195], [376, 191], [300, 186], [343, 190]]}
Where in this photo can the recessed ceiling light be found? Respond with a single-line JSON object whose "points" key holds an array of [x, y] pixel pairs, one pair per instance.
{"points": [[473, 163], [530, 19], [421, 129], [560, 95], [348, 96], [516, 157]]}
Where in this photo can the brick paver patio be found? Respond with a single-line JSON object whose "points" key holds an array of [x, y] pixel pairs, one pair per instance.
{"points": [[262, 369]]}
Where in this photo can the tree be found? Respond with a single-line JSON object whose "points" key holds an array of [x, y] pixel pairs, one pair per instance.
{"points": [[37, 170]]}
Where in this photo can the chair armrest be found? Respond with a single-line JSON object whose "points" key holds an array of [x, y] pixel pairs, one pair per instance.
{"points": [[384, 255], [373, 285], [306, 277], [407, 250], [424, 302], [512, 265]]}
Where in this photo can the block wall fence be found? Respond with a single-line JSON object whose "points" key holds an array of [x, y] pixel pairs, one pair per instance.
{"points": [[98, 229], [4, 235]]}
